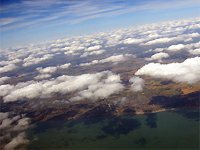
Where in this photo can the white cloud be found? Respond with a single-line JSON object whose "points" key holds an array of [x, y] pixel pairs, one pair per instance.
{"points": [[50, 70], [13, 125], [194, 35], [159, 41], [158, 56], [158, 50], [20, 139], [176, 47], [192, 48], [27, 91], [193, 45], [92, 45], [14, 61], [72, 49], [137, 84], [187, 71], [102, 89], [6, 123], [116, 58], [5, 89], [36, 60], [194, 26], [3, 79], [90, 63], [113, 59], [47, 70], [63, 85], [65, 66], [132, 41], [97, 52], [93, 48], [22, 124], [42, 76], [8, 68], [195, 51]]}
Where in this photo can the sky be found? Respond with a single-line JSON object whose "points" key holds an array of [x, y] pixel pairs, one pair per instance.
{"points": [[32, 21]]}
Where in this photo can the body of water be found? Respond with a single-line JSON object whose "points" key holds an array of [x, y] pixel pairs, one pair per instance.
{"points": [[164, 130]]}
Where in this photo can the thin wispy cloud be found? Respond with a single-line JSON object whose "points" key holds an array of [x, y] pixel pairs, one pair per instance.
{"points": [[27, 13]]}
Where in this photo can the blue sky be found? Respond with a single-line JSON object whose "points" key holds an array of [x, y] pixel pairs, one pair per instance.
{"points": [[30, 21]]}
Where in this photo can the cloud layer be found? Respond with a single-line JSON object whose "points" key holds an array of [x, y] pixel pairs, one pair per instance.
{"points": [[98, 85], [37, 64], [114, 59]]}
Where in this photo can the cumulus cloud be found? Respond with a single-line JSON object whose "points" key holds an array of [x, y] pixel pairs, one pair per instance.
{"points": [[93, 48], [132, 41], [193, 45], [42, 76], [90, 63], [48, 71], [13, 129], [116, 58], [98, 52], [172, 36], [22, 124], [74, 48], [36, 60], [3, 79], [113, 59], [176, 47], [158, 56], [6, 123], [72, 53], [21, 91], [194, 35], [159, 41], [14, 61], [102, 89], [192, 48], [187, 71], [20, 139], [92, 45], [195, 51], [137, 84], [5, 89], [65, 66], [63, 85], [8, 68]]}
